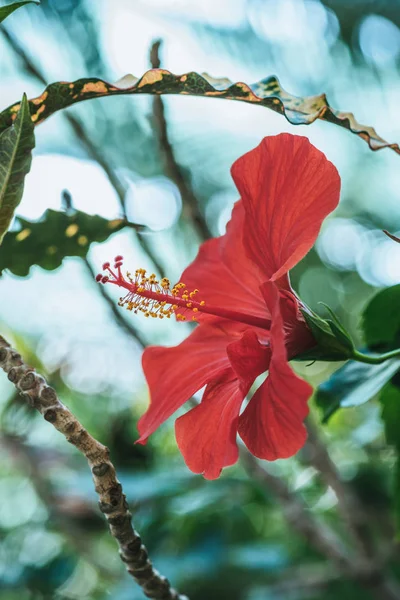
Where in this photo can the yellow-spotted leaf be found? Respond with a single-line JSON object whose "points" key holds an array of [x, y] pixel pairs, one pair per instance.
{"points": [[16, 144], [267, 92], [56, 236]]}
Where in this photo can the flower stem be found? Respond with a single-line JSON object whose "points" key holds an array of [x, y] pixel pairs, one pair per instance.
{"points": [[375, 360]]}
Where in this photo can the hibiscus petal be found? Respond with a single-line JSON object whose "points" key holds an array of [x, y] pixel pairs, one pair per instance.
{"points": [[288, 187], [271, 426], [206, 435], [175, 374], [232, 284], [248, 357]]}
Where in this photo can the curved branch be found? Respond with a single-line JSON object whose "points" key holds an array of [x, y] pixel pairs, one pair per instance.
{"points": [[112, 501]]}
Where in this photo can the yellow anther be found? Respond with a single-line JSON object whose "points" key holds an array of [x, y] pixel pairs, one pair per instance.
{"points": [[153, 297]]}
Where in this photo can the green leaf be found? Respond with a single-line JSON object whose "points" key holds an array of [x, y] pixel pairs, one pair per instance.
{"points": [[268, 92], [5, 11], [353, 384], [47, 242], [16, 145], [390, 400], [381, 319]]}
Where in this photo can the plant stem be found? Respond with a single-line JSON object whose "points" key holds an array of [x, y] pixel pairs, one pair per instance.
{"points": [[375, 360]]}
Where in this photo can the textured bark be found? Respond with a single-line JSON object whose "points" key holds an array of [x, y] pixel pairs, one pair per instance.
{"points": [[112, 501]]}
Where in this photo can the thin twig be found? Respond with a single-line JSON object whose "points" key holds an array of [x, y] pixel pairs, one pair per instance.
{"points": [[115, 181], [112, 501], [172, 168], [93, 152]]}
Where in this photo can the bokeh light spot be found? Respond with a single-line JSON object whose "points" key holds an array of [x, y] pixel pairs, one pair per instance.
{"points": [[379, 39]]}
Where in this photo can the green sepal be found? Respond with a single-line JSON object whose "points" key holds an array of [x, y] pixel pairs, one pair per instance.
{"points": [[338, 330], [333, 342]]}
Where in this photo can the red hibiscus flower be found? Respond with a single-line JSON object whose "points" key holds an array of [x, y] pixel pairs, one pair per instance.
{"points": [[250, 320]]}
